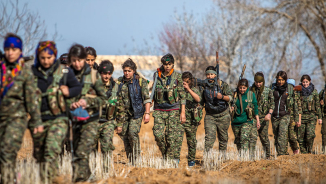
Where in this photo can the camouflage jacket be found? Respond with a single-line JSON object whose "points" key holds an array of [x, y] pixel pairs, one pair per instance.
{"points": [[22, 99], [322, 97], [190, 102], [93, 93], [124, 107], [266, 101], [310, 105]]}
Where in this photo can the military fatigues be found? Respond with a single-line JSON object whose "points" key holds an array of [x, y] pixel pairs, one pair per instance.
{"points": [[20, 100], [285, 107], [84, 134], [133, 95], [47, 145], [265, 103], [191, 124], [217, 117], [323, 125], [293, 135], [310, 110], [169, 97], [107, 122], [242, 123]]}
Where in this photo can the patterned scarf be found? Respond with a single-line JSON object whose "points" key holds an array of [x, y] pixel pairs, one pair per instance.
{"points": [[7, 78], [308, 90], [49, 46]]}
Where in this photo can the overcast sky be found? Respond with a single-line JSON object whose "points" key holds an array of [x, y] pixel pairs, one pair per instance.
{"points": [[110, 25]]}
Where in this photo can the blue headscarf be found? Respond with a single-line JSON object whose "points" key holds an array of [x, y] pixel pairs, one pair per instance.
{"points": [[13, 42]]}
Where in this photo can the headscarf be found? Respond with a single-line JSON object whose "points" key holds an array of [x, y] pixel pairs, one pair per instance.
{"points": [[13, 42], [7, 79], [50, 46], [259, 77]]}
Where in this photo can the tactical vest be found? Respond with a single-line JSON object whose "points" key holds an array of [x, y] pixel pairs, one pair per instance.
{"points": [[170, 90], [195, 108], [54, 95], [212, 104], [308, 103], [135, 95]]}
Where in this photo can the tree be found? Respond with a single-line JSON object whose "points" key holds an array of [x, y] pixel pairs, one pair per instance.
{"points": [[23, 22]]}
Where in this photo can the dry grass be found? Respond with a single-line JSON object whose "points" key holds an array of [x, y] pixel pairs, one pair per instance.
{"points": [[214, 167]]}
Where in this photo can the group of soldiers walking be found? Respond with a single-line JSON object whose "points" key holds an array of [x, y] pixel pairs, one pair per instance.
{"points": [[74, 103]]}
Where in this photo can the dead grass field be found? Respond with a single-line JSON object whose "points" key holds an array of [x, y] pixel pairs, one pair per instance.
{"points": [[284, 169]]}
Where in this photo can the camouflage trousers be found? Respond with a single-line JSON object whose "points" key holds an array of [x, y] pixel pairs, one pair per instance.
{"points": [[242, 135], [190, 128], [217, 123], [47, 146], [84, 140], [323, 133], [280, 130], [104, 136], [130, 137], [263, 136], [168, 133], [293, 136], [306, 133], [11, 135]]}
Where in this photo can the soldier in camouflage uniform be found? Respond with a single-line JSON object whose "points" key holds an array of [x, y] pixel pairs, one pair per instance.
{"points": [[286, 103], [133, 106], [245, 110], [265, 101], [18, 98], [323, 125], [310, 111], [56, 82], [293, 141], [217, 117], [107, 122], [92, 98], [194, 114], [169, 109]]}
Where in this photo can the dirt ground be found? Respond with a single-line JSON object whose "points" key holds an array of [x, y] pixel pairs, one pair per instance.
{"points": [[284, 169]]}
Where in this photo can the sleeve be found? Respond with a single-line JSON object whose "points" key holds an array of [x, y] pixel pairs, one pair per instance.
{"points": [[100, 98], [296, 106], [145, 92], [181, 91], [32, 97], [227, 91], [75, 87], [255, 103], [121, 111], [321, 96], [196, 90], [271, 103], [317, 105]]}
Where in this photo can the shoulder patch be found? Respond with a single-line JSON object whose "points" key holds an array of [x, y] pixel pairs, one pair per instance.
{"points": [[65, 70]]}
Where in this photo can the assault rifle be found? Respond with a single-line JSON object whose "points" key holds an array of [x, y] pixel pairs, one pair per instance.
{"points": [[236, 93], [202, 83]]}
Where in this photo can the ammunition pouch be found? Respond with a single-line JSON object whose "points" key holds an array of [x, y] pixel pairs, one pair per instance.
{"points": [[56, 101], [250, 113], [197, 113], [111, 111]]}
